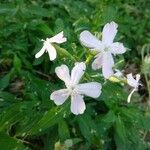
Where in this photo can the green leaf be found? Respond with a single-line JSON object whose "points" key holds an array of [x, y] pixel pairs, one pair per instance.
{"points": [[10, 143], [44, 28], [7, 9], [133, 115], [64, 53], [6, 96], [63, 130], [50, 118], [109, 117], [120, 129], [109, 13], [38, 11], [87, 127], [146, 122], [17, 63], [4, 82], [11, 115], [36, 85]]}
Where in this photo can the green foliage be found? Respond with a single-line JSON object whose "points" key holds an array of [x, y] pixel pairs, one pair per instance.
{"points": [[7, 142], [28, 118]]}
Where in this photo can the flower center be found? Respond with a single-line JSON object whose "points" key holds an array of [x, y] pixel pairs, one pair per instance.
{"points": [[71, 89], [106, 48]]}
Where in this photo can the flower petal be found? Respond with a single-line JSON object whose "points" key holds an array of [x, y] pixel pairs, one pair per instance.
{"points": [[60, 96], [109, 32], [41, 52], [63, 73], [58, 38], [108, 63], [97, 63], [77, 72], [51, 51], [92, 89], [129, 97], [77, 104], [117, 48], [89, 40], [131, 81], [138, 77]]}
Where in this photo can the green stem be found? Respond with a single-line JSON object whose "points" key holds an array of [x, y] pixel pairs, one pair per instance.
{"points": [[148, 87]]}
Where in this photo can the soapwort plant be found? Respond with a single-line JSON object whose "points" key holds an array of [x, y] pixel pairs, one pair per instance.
{"points": [[77, 88], [103, 59]]}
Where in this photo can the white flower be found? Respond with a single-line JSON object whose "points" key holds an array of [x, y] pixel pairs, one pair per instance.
{"points": [[48, 47], [74, 89], [134, 83], [105, 48]]}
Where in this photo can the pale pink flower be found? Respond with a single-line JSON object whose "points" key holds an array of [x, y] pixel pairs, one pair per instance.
{"points": [[105, 48], [74, 89]]}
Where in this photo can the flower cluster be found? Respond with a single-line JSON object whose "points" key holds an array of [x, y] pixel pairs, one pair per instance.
{"points": [[105, 49]]}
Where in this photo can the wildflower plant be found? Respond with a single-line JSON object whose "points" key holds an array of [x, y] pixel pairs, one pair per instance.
{"points": [[66, 81], [104, 59]]}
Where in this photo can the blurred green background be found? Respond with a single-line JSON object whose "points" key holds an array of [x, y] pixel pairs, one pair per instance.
{"points": [[28, 119]]}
